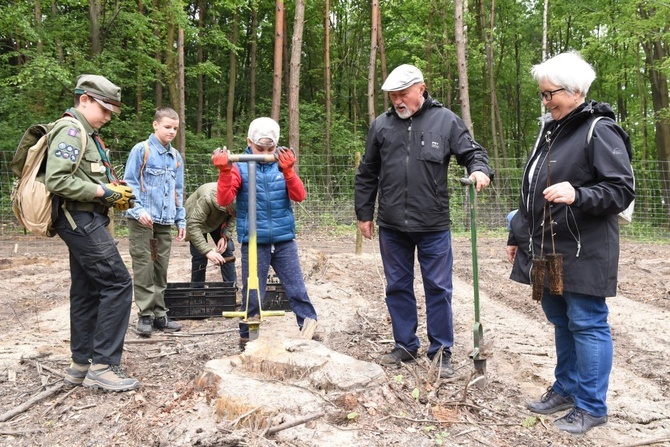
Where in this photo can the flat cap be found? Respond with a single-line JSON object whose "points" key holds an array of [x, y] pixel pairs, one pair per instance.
{"points": [[402, 77], [101, 89], [264, 132]]}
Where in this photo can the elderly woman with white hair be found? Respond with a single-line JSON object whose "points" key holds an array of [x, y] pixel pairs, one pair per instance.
{"points": [[577, 179]]}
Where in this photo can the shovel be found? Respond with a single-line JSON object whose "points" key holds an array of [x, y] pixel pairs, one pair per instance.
{"points": [[252, 280], [477, 354]]}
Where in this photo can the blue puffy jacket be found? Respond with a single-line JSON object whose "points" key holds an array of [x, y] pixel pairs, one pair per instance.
{"points": [[274, 216]]}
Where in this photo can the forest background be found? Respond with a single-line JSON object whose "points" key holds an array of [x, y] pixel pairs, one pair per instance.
{"points": [[316, 66]]}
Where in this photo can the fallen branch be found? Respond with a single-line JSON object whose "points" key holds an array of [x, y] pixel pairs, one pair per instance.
{"points": [[29, 403], [148, 341], [299, 421], [19, 432], [59, 400], [193, 334], [650, 442]]}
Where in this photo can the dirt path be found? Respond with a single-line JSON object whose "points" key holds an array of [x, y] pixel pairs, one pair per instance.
{"points": [[412, 408]]}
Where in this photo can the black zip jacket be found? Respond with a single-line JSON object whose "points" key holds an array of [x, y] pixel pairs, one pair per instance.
{"points": [[405, 167], [587, 231]]}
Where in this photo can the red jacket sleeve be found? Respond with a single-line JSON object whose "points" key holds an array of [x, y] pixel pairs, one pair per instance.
{"points": [[296, 190], [227, 186]]}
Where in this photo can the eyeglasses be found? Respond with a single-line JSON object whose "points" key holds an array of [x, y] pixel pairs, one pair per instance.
{"points": [[548, 94]]}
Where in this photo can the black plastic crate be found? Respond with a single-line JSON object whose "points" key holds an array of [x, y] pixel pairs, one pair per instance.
{"points": [[200, 299], [275, 297]]}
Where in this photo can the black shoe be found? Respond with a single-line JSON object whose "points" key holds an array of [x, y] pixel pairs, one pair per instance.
{"points": [[167, 325], [144, 325], [243, 343], [446, 369], [396, 356], [551, 402], [579, 421]]}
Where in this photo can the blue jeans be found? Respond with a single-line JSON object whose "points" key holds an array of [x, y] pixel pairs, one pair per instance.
{"points": [[436, 261], [283, 257], [584, 348]]}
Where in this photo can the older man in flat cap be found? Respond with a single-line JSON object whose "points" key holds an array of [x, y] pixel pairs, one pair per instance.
{"points": [[405, 165], [80, 174]]}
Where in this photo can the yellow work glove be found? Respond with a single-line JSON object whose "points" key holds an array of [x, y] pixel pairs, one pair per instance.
{"points": [[116, 194]]}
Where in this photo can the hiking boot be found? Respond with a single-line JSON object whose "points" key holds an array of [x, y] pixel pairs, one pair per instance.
{"points": [[144, 325], [396, 356], [579, 421], [550, 403], [243, 343], [445, 368], [165, 324], [109, 378], [76, 373]]}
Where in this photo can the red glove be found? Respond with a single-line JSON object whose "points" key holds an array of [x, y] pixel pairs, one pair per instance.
{"points": [[221, 161], [286, 159]]}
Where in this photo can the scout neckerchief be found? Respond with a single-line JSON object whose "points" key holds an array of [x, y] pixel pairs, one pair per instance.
{"points": [[100, 145]]}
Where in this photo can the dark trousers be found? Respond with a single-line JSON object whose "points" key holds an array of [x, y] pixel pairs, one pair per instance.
{"points": [[101, 292], [199, 261], [435, 257]]}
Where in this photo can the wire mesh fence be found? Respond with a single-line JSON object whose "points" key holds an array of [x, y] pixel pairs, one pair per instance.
{"points": [[329, 207]]}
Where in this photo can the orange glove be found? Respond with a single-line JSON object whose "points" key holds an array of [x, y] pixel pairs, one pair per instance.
{"points": [[286, 159], [221, 161]]}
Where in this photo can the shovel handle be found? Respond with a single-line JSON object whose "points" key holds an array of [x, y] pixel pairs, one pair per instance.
{"points": [[466, 181], [268, 158]]}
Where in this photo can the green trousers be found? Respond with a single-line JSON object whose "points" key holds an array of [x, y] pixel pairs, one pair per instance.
{"points": [[149, 277]]}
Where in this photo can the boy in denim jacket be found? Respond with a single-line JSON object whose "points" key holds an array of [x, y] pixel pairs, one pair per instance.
{"points": [[155, 171]]}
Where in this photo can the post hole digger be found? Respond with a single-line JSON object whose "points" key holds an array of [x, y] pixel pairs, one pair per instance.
{"points": [[252, 280], [478, 354]]}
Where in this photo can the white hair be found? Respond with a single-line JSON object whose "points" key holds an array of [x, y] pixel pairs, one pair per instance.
{"points": [[569, 70]]}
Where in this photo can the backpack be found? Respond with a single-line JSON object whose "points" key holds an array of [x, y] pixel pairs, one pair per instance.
{"points": [[33, 205], [625, 216]]}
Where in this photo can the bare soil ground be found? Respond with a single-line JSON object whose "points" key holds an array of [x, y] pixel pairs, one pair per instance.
{"points": [[410, 408]]}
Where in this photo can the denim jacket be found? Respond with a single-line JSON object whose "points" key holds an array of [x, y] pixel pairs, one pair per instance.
{"points": [[159, 185]]}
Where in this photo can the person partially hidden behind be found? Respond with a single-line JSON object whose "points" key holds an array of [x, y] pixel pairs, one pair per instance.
{"points": [[205, 217], [101, 290], [405, 166], [585, 184]]}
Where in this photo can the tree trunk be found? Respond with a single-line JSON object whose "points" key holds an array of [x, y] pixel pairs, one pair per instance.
{"points": [[95, 12], [172, 64], [496, 133], [656, 52], [181, 106], [326, 58], [201, 83], [462, 66], [232, 77], [372, 81], [252, 59], [294, 77], [382, 53], [278, 58]]}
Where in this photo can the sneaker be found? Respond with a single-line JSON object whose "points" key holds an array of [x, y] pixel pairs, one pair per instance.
{"points": [[396, 356], [579, 421], [165, 324], [109, 378], [76, 373], [445, 368], [551, 402], [144, 325]]}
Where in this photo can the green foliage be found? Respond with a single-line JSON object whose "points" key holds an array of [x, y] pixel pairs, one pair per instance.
{"points": [[40, 61]]}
